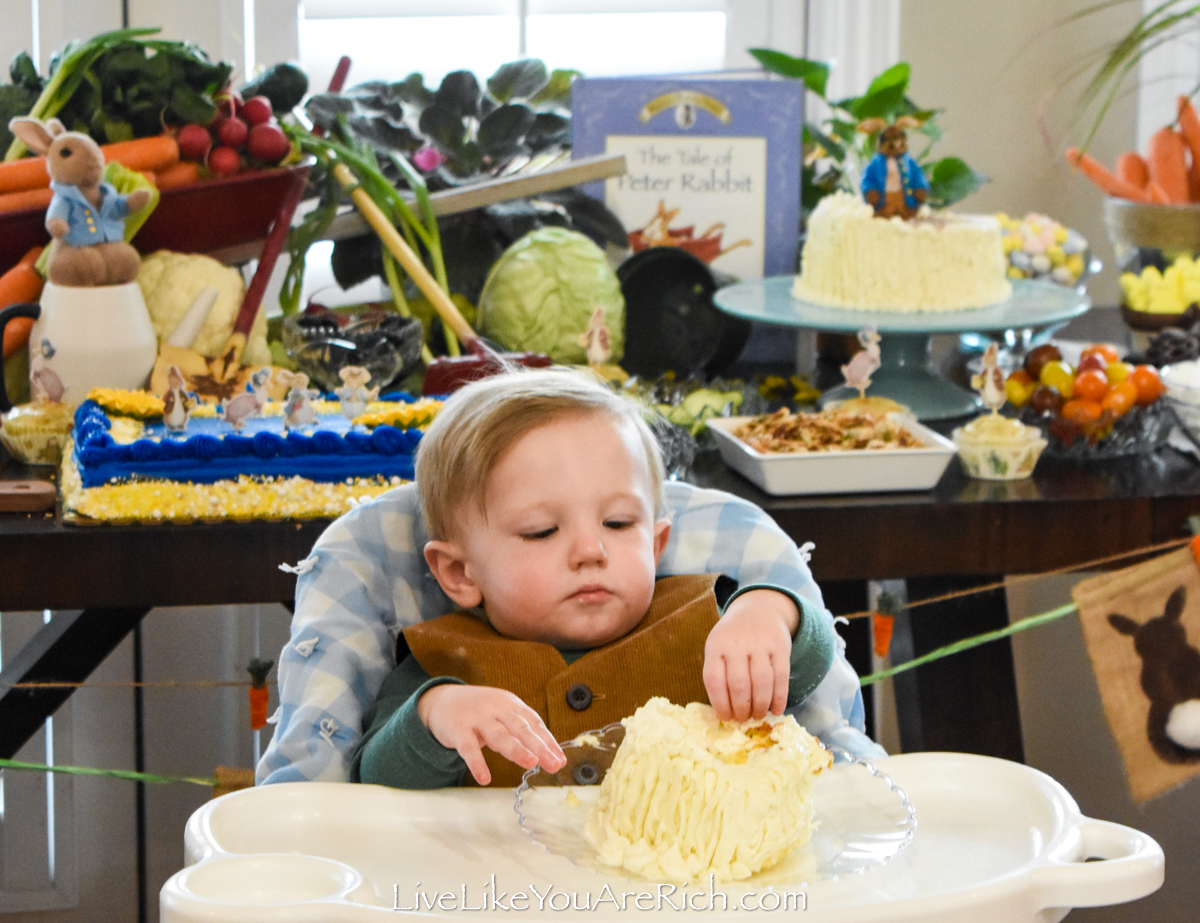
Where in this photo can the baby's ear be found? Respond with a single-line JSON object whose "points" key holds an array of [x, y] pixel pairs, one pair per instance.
{"points": [[662, 532], [448, 563]]}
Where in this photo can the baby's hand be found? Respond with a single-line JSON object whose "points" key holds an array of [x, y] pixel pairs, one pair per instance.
{"points": [[469, 718], [747, 658]]}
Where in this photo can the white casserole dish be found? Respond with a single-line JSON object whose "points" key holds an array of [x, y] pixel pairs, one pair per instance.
{"points": [[840, 471], [996, 842]]}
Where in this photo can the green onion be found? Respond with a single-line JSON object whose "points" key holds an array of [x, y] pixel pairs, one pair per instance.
{"points": [[72, 70]]}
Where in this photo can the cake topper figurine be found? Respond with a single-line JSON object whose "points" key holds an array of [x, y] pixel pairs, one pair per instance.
{"points": [[893, 183], [177, 404], [87, 215], [595, 340], [990, 381], [250, 402], [353, 394], [859, 369], [298, 410]]}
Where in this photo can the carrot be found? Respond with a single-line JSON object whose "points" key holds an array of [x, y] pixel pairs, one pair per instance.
{"points": [[22, 174], [26, 198], [260, 700], [152, 154], [20, 284], [881, 626], [1157, 194], [1132, 168], [260, 695], [182, 173], [1165, 155], [1098, 174], [1189, 127]]}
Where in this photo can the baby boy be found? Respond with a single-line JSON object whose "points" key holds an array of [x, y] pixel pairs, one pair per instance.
{"points": [[541, 494]]}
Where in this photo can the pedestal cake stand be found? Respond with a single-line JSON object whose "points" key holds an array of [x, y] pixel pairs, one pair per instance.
{"points": [[904, 374]]}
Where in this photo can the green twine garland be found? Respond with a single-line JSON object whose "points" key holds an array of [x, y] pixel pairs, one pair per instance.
{"points": [[111, 773], [938, 654], [966, 643]]}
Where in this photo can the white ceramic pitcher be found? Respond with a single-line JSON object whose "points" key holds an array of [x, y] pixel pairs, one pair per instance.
{"points": [[84, 338]]}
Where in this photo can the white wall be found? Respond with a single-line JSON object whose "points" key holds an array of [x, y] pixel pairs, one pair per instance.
{"points": [[1001, 73]]}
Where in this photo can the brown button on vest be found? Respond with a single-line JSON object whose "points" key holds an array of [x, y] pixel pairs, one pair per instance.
{"points": [[663, 655]]}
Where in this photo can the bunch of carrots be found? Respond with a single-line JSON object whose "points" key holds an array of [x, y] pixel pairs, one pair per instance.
{"points": [[1169, 174], [25, 182]]}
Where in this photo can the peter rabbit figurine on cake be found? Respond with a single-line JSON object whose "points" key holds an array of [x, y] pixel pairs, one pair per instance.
{"points": [[87, 215]]}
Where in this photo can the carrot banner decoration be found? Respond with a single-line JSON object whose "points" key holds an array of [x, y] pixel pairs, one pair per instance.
{"points": [[883, 620], [260, 695]]}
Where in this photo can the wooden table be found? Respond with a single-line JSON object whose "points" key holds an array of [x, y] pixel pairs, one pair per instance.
{"points": [[1065, 515]]}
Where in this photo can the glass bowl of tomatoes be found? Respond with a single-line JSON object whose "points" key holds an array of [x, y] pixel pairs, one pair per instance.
{"points": [[1100, 407]]}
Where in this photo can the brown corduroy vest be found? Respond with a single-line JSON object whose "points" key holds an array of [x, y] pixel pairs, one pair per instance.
{"points": [[663, 655]]}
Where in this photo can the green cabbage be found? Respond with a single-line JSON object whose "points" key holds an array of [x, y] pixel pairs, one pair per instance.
{"points": [[541, 294]]}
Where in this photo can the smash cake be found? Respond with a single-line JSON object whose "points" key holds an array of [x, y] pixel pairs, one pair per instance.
{"points": [[123, 464], [689, 796], [933, 262]]}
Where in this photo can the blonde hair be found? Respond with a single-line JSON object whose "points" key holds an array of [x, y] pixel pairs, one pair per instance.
{"points": [[482, 420]]}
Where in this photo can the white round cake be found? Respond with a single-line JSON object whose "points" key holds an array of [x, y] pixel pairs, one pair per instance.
{"points": [[689, 796], [934, 262]]}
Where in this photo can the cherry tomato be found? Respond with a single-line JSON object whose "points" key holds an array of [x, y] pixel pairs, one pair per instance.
{"points": [[1102, 349], [1018, 388], [1045, 400], [1091, 384], [1039, 356], [1060, 376], [1120, 398], [1117, 372], [1081, 411], [1091, 361], [1149, 385]]}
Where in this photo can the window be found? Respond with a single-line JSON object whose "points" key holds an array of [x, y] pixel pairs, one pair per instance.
{"points": [[388, 39]]}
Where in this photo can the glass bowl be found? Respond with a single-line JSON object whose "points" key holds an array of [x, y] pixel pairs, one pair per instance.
{"points": [[996, 459], [863, 819], [322, 343]]}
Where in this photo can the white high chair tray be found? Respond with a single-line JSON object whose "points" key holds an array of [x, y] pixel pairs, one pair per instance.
{"points": [[995, 841]]}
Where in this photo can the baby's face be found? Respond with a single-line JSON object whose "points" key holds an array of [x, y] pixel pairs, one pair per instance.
{"points": [[567, 550]]}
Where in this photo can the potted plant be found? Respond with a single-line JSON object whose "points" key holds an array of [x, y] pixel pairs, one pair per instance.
{"points": [[835, 151]]}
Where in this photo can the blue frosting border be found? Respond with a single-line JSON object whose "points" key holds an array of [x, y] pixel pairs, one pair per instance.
{"points": [[386, 452]]}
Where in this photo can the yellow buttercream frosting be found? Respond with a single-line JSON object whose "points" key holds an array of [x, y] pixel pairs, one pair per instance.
{"points": [[689, 796]]}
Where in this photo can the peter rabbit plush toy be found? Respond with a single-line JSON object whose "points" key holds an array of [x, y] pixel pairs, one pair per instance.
{"points": [[86, 217]]}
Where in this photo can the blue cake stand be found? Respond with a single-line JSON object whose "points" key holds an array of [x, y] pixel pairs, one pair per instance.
{"points": [[905, 374]]}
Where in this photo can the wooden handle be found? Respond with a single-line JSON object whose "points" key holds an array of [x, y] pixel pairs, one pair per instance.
{"points": [[400, 249], [26, 496]]}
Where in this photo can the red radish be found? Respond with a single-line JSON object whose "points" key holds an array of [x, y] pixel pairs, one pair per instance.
{"points": [[224, 160], [229, 102], [232, 132], [194, 142], [268, 143], [256, 110]]}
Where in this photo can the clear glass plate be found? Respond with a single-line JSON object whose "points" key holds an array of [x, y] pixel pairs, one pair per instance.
{"points": [[863, 818]]}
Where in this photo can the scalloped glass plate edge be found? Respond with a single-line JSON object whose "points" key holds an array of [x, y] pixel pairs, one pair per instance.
{"points": [[864, 819]]}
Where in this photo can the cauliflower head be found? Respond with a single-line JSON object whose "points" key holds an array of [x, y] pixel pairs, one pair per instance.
{"points": [[171, 282]]}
